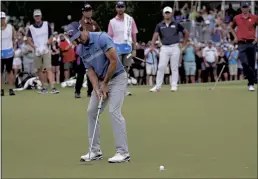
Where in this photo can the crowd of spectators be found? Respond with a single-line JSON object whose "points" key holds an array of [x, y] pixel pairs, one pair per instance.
{"points": [[210, 38]]}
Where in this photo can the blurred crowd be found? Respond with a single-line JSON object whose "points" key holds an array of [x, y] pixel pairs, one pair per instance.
{"points": [[210, 38]]}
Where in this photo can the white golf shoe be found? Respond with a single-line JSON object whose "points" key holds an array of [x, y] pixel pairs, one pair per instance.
{"points": [[119, 158], [91, 156], [173, 88], [155, 89], [128, 93], [251, 88]]}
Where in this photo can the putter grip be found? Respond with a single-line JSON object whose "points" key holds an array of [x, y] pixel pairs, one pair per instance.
{"points": [[100, 102]]}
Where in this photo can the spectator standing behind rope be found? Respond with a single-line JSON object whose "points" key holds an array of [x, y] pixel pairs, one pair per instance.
{"points": [[40, 37], [245, 38], [168, 30], [90, 25], [28, 56], [55, 60], [7, 52], [68, 55], [123, 30]]}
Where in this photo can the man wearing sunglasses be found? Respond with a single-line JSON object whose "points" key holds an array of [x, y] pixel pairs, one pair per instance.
{"points": [[109, 80], [90, 25], [123, 30]]}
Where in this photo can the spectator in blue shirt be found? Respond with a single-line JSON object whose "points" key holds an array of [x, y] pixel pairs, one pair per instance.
{"points": [[189, 62], [232, 63], [109, 80]]}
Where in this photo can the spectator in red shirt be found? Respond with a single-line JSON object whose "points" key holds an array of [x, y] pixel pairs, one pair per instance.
{"points": [[245, 38], [68, 55]]}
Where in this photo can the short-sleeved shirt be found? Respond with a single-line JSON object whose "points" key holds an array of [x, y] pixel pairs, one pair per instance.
{"points": [[246, 27], [93, 54], [68, 55], [189, 55], [169, 33], [152, 57]]}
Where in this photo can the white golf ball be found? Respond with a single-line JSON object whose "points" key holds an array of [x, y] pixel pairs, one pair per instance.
{"points": [[161, 168]]}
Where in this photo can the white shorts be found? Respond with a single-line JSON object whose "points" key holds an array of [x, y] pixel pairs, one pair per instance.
{"points": [[151, 69], [17, 62]]}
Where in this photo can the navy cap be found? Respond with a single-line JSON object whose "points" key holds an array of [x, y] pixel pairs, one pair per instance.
{"points": [[73, 30], [120, 4], [86, 7], [244, 4]]}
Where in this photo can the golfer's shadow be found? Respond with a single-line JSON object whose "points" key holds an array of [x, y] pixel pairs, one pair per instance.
{"points": [[86, 163]]}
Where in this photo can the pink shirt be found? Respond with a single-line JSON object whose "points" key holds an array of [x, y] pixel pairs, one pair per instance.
{"points": [[118, 33]]}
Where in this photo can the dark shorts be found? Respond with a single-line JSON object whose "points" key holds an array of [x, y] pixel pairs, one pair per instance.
{"points": [[55, 60], [7, 64]]}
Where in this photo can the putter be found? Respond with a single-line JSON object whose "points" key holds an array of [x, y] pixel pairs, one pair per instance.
{"points": [[218, 78], [99, 108]]}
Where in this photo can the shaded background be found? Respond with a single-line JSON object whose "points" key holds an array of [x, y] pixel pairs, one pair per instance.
{"points": [[146, 14]]}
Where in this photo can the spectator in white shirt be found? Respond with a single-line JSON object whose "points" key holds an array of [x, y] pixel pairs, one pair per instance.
{"points": [[210, 56], [28, 56], [151, 64]]}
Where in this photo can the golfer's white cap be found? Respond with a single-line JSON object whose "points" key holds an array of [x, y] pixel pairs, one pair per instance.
{"points": [[2, 15], [37, 12], [167, 9]]}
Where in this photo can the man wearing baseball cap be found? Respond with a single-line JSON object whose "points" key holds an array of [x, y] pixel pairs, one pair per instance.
{"points": [[168, 30], [40, 38], [246, 24], [7, 52], [90, 25], [109, 80], [123, 31]]}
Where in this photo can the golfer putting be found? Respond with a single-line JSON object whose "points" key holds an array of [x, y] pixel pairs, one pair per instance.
{"points": [[109, 81]]}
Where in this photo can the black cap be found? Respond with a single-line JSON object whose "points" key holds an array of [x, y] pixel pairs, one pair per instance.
{"points": [[120, 4], [244, 4], [87, 7]]}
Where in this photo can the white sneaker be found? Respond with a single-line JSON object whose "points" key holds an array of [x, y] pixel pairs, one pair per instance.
{"points": [[128, 93], [173, 88], [251, 88], [155, 89], [119, 158], [92, 156]]}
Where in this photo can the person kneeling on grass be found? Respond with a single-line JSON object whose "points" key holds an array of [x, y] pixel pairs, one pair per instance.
{"points": [[109, 80]]}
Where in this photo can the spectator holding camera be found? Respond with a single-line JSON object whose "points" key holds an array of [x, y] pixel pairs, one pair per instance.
{"points": [[189, 62]]}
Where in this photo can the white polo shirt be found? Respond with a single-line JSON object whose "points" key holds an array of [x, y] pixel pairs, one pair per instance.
{"points": [[210, 54]]}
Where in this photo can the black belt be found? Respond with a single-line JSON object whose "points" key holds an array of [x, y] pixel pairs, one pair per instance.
{"points": [[245, 41], [115, 75]]}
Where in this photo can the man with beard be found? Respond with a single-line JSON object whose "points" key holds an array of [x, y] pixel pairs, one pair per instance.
{"points": [[123, 30], [90, 25]]}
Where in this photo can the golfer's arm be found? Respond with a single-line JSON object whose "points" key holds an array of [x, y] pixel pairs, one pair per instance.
{"points": [[233, 28], [93, 78], [112, 57], [154, 38]]}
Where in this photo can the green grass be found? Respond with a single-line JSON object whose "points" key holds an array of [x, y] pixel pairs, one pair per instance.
{"points": [[193, 133]]}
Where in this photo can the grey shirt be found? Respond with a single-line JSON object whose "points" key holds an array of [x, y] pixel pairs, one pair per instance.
{"points": [[169, 34]]}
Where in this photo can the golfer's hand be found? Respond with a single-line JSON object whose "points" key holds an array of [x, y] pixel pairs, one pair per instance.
{"points": [[255, 41], [104, 90], [235, 40], [98, 93], [134, 53]]}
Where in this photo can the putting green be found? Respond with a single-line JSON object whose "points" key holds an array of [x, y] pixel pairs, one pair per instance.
{"points": [[193, 133]]}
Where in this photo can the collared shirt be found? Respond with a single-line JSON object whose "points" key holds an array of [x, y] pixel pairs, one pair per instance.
{"points": [[90, 25], [118, 34], [169, 33], [93, 54], [246, 27], [39, 26], [210, 54]]}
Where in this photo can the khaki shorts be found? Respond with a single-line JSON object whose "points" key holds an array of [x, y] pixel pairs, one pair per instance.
{"points": [[43, 61], [67, 65], [232, 69]]}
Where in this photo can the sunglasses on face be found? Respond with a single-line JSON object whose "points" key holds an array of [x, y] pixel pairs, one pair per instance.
{"points": [[120, 6]]}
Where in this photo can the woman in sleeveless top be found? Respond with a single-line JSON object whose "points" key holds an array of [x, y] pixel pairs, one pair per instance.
{"points": [[55, 60]]}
